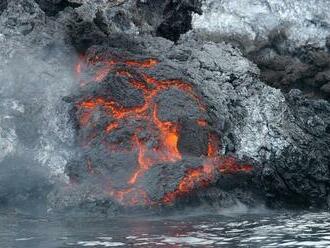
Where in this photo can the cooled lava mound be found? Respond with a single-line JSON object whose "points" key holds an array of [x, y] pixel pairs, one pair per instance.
{"points": [[146, 137]]}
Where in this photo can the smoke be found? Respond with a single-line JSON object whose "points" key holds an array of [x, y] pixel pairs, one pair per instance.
{"points": [[36, 138]]}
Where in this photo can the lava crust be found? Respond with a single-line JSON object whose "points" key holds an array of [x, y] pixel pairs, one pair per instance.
{"points": [[148, 140]]}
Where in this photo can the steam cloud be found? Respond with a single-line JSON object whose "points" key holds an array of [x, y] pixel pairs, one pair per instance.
{"points": [[35, 133]]}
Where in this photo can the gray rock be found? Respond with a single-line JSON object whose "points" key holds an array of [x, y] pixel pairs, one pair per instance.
{"points": [[3, 6], [166, 18], [306, 22], [286, 39], [53, 7], [286, 136], [326, 88]]}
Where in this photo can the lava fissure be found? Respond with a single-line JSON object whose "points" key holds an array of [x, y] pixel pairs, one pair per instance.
{"points": [[164, 149]]}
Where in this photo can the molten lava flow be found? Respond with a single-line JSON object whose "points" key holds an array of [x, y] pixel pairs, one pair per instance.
{"points": [[111, 127], [213, 145], [130, 196], [148, 63], [169, 136], [144, 161], [166, 150], [204, 176]]}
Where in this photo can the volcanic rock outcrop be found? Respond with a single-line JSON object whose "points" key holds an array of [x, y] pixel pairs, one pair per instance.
{"points": [[169, 18], [145, 132], [203, 89], [286, 39], [154, 122], [3, 6]]}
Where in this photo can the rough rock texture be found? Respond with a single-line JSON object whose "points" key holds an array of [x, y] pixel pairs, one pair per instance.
{"points": [[308, 123], [306, 67], [306, 21], [286, 39], [285, 136], [141, 114], [254, 121], [53, 7], [3, 6], [168, 19]]}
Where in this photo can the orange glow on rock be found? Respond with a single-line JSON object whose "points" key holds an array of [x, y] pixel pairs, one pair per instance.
{"points": [[168, 133], [204, 176], [111, 127], [78, 68], [202, 123], [148, 63], [84, 118], [130, 196], [213, 146]]}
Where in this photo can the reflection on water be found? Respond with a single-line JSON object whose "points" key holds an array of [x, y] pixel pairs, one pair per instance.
{"points": [[239, 230]]}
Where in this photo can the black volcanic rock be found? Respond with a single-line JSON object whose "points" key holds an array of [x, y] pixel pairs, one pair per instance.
{"points": [[177, 18], [284, 135], [255, 122], [161, 179], [290, 48], [327, 43], [193, 139], [53, 7], [282, 65], [326, 88], [306, 68], [185, 106], [3, 6], [169, 18]]}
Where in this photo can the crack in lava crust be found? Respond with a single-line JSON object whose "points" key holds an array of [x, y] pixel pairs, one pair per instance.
{"points": [[166, 150]]}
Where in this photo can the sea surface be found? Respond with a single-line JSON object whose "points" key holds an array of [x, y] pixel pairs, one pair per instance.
{"points": [[219, 229]]}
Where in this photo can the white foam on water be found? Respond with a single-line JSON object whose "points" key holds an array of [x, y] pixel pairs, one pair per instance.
{"points": [[187, 240], [25, 239], [105, 238], [99, 243]]}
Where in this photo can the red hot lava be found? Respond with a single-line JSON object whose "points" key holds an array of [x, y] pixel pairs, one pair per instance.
{"points": [[167, 150]]}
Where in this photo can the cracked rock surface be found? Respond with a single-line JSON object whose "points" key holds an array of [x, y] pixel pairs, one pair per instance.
{"points": [[288, 40], [286, 135]]}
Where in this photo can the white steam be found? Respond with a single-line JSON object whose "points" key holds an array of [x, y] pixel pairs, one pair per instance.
{"points": [[34, 120]]}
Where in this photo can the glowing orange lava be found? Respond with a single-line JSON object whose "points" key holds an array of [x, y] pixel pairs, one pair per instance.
{"points": [[166, 151], [203, 176]]}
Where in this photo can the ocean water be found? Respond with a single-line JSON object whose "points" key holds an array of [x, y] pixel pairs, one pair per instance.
{"points": [[228, 229]]}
